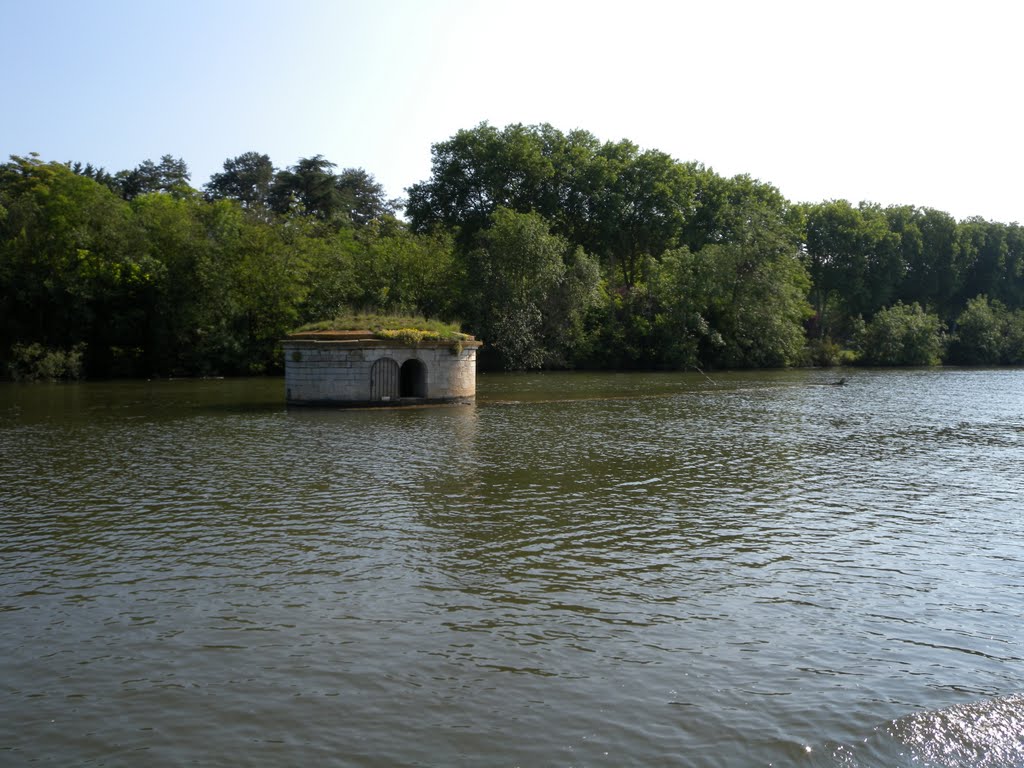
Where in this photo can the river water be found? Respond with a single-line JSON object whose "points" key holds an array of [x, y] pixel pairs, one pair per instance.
{"points": [[579, 570]]}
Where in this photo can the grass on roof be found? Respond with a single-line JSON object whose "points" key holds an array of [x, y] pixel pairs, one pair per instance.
{"points": [[409, 328]]}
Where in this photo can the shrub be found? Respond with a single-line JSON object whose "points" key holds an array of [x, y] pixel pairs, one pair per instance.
{"points": [[34, 362], [1013, 344], [823, 352], [903, 335], [980, 337]]}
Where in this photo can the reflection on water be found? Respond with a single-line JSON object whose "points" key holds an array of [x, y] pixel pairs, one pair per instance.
{"points": [[623, 569], [979, 734]]}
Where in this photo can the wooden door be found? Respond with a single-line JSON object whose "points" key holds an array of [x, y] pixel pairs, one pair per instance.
{"points": [[385, 380]]}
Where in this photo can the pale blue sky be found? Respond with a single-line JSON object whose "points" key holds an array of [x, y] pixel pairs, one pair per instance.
{"points": [[890, 101]]}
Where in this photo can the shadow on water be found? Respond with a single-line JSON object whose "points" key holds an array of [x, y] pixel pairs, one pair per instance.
{"points": [[93, 402]]}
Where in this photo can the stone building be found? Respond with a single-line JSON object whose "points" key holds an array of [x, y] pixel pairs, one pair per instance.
{"points": [[355, 368]]}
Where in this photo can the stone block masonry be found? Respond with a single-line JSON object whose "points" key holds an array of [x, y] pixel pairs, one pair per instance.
{"points": [[353, 369]]}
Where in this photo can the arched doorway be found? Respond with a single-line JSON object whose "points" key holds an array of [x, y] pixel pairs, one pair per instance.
{"points": [[414, 378], [385, 380]]}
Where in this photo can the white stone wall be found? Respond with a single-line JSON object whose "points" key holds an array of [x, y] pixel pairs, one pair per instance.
{"points": [[338, 372]]}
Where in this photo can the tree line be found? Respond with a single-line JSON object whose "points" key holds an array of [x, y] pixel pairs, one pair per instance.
{"points": [[557, 249]]}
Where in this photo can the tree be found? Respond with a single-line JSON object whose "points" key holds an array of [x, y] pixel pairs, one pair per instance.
{"points": [[522, 279], [1012, 293], [73, 268], [992, 261], [932, 261], [251, 277], [331, 282], [310, 185], [362, 198], [853, 260], [755, 286], [479, 170], [682, 288], [720, 205], [405, 273], [640, 206], [619, 203], [99, 175], [247, 178], [170, 176]]}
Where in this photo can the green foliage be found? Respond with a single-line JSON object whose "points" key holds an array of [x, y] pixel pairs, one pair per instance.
{"points": [[929, 253], [171, 283], [72, 263], [34, 362], [631, 329], [558, 250], [405, 327], [740, 301], [482, 169], [169, 176], [518, 278], [852, 254], [640, 204], [362, 198], [246, 178], [1013, 344], [991, 261], [414, 335], [987, 333], [756, 285], [903, 335], [980, 333], [332, 284], [401, 272], [613, 200], [865, 258], [826, 353], [310, 187]]}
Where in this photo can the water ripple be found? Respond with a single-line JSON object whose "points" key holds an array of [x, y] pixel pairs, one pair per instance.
{"points": [[749, 572]]}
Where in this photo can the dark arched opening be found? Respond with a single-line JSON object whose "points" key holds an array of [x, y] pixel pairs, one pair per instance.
{"points": [[414, 378]]}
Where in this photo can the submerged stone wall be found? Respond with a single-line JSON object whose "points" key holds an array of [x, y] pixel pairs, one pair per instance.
{"points": [[350, 369]]}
